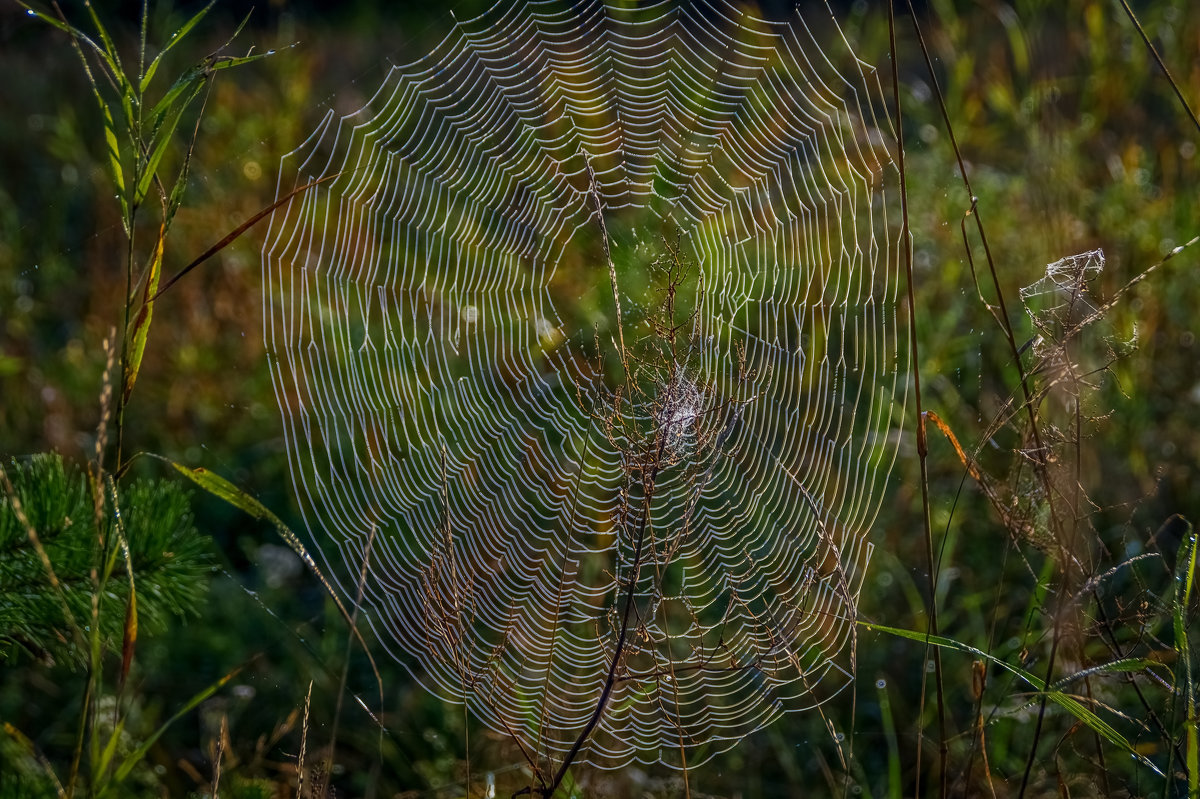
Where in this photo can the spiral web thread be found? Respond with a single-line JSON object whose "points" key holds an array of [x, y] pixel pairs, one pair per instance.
{"points": [[668, 502]]}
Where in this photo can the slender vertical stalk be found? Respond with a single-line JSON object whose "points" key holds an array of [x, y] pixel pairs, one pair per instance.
{"points": [[922, 442], [124, 361], [1161, 64], [358, 598]]}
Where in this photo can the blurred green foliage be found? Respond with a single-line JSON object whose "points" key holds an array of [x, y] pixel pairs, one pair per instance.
{"points": [[1073, 141]]}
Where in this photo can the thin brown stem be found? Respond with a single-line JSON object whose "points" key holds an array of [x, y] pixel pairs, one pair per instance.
{"points": [[236, 233], [1161, 64], [922, 443]]}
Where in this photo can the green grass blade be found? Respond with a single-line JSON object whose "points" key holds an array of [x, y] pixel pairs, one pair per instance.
{"points": [[194, 75], [1121, 666], [78, 39], [175, 198], [1067, 702], [115, 165], [176, 38], [112, 60], [105, 51], [66, 27], [895, 789], [137, 755], [218, 486], [110, 749], [109, 51], [227, 62], [162, 136], [1185, 578]]}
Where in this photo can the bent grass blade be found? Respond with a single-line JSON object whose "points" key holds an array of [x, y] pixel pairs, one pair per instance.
{"points": [[1066, 701]]}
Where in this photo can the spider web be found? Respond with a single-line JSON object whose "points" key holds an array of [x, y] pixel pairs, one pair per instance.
{"points": [[593, 336], [1063, 295]]}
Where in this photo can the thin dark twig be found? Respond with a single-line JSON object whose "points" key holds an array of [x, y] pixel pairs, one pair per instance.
{"points": [[1161, 64], [1002, 318], [922, 443], [610, 680], [237, 232], [1030, 405]]}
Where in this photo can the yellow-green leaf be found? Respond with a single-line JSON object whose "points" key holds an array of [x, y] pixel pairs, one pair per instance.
{"points": [[139, 328], [110, 748], [129, 640]]}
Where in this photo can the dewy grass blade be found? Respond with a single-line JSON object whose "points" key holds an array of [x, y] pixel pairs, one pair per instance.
{"points": [[176, 38], [105, 51], [163, 134], [110, 56], [197, 73], [1185, 576], [78, 39], [1065, 701], [1121, 666], [115, 164]]}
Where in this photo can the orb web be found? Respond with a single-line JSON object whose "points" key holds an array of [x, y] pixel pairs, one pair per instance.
{"points": [[591, 331]]}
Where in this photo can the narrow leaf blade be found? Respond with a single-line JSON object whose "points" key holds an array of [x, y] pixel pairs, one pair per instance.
{"points": [[129, 639], [1185, 577], [1065, 701], [176, 38], [110, 748], [218, 486], [137, 755], [162, 140], [140, 327]]}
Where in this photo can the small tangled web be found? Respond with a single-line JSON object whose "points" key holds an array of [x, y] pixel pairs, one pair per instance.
{"points": [[587, 346], [1064, 293], [1061, 300]]}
